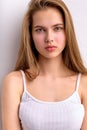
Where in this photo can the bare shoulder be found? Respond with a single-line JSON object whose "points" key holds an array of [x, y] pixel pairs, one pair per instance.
{"points": [[84, 88], [84, 100], [84, 81], [12, 82], [11, 96], [14, 75]]}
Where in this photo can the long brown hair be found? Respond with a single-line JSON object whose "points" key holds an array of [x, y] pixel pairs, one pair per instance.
{"points": [[27, 58]]}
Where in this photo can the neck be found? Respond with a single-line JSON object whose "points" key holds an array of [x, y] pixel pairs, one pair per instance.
{"points": [[52, 67]]}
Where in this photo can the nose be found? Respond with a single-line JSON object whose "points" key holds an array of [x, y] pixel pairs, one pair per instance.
{"points": [[49, 37], [48, 41]]}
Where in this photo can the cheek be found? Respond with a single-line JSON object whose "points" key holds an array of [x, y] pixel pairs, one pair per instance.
{"points": [[61, 39], [38, 41]]}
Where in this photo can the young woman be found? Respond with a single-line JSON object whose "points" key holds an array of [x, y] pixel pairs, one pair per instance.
{"points": [[48, 89]]}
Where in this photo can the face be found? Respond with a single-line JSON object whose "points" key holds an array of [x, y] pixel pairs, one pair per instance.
{"points": [[48, 33]]}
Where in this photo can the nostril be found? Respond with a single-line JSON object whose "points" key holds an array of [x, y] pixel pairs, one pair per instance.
{"points": [[48, 41]]}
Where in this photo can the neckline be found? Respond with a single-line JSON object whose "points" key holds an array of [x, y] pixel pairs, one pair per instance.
{"points": [[53, 102]]}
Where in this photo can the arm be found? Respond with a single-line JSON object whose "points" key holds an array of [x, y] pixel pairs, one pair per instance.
{"points": [[84, 101], [10, 102]]}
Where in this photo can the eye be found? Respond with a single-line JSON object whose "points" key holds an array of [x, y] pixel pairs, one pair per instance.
{"points": [[58, 28], [40, 30]]}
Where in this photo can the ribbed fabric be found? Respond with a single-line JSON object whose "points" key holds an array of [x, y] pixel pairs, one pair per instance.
{"points": [[40, 115]]}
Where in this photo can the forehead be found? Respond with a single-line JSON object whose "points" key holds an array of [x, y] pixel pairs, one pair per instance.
{"points": [[47, 16]]}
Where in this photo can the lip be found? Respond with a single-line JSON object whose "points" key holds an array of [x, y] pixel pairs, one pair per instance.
{"points": [[50, 48]]}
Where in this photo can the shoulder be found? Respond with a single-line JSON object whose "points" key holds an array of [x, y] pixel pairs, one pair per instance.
{"points": [[84, 99], [84, 81], [12, 83], [84, 88], [10, 100], [12, 76]]}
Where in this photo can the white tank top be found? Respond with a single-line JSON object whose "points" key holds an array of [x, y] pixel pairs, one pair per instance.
{"points": [[35, 114]]}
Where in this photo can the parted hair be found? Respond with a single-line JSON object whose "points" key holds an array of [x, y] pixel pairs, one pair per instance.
{"points": [[28, 56]]}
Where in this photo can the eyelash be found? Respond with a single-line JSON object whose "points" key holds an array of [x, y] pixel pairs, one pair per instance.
{"points": [[39, 30], [58, 28], [55, 29]]}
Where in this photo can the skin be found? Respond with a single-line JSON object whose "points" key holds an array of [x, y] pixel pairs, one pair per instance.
{"points": [[46, 29], [52, 70]]}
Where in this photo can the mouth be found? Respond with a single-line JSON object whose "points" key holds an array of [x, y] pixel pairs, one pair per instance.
{"points": [[50, 48]]}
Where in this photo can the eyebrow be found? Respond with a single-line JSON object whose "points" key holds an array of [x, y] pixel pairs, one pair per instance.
{"points": [[40, 26]]}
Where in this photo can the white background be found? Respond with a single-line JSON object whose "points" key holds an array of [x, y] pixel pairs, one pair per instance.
{"points": [[11, 15]]}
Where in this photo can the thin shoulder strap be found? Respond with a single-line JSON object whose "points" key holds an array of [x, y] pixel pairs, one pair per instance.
{"points": [[78, 81], [23, 78]]}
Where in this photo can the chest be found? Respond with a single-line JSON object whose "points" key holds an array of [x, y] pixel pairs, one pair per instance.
{"points": [[52, 90], [37, 115]]}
